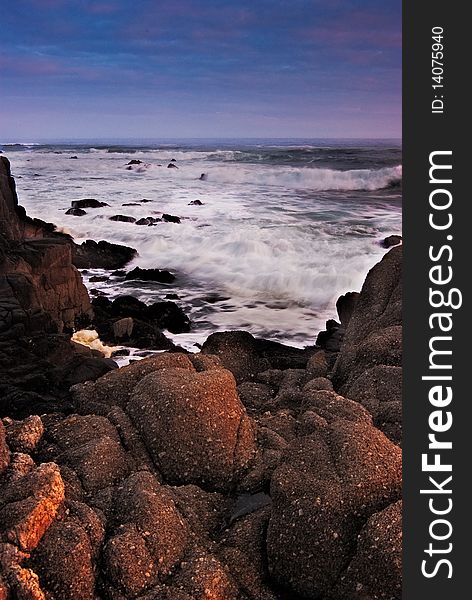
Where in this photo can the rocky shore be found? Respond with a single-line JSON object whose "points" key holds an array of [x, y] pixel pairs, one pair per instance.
{"points": [[247, 471]]}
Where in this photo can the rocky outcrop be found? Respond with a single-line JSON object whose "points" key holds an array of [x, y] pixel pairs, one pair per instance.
{"points": [[40, 286], [42, 297], [368, 368]]}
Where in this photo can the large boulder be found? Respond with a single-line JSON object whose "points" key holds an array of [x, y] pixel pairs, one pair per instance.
{"points": [[194, 426], [376, 569], [101, 255], [330, 482]]}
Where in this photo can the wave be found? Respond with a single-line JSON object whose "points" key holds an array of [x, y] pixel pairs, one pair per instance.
{"points": [[310, 178]]}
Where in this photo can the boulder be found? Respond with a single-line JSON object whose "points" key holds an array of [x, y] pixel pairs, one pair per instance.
{"points": [[170, 218], [122, 218], [391, 240], [88, 203], [101, 255], [159, 275], [194, 426], [376, 568], [116, 388], [76, 212], [328, 485]]}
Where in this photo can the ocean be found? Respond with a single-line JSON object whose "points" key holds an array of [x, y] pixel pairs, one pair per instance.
{"points": [[284, 228]]}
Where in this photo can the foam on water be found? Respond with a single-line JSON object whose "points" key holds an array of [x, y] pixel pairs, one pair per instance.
{"points": [[278, 242]]}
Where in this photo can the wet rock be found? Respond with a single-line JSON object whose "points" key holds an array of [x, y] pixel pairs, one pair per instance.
{"points": [[345, 306], [172, 166], [195, 203], [76, 212], [102, 255], [88, 203], [123, 218], [159, 275], [134, 161], [391, 240], [168, 315], [147, 221], [194, 426], [170, 218]]}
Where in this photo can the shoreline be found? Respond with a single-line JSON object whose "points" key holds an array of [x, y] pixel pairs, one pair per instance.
{"points": [[272, 472]]}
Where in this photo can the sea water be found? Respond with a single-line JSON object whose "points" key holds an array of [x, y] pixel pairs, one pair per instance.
{"points": [[285, 227]]}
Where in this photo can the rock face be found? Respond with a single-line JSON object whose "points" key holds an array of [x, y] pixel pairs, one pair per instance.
{"points": [[368, 368], [38, 282]]}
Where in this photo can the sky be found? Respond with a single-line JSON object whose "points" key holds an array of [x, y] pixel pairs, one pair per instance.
{"points": [[142, 69]]}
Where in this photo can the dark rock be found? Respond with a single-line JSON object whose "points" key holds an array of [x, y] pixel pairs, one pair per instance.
{"points": [[88, 203], [97, 278], [345, 306], [195, 203], [172, 297], [122, 218], [391, 240], [145, 200], [168, 315], [135, 161], [172, 166], [102, 255], [147, 221], [76, 212], [131, 204], [73, 157], [170, 218], [159, 275]]}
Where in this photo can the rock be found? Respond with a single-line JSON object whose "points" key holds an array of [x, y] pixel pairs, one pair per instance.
{"points": [[376, 569], [194, 426], [318, 383], [339, 476], [102, 255], [23, 436], [29, 505], [331, 339], [4, 450], [73, 157], [122, 218], [88, 203], [127, 306], [237, 352], [168, 315], [391, 240], [172, 166], [159, 275], [76, 212], [374, 330], [64, 561], [98, 278], [116, 388], [195, 203], [131, 204], [142, 502], [134, 161], [128, 562], [147, 221], [317, 365], [345, 306], [170, 218]]}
